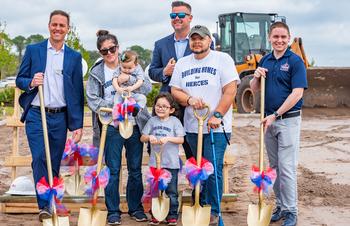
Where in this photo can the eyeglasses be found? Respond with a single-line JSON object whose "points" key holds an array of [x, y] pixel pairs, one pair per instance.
{"points": [[181, 15], [162, 107], [112, 49]]}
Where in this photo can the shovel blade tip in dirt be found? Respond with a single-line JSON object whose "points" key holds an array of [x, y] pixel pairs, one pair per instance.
{"points": [[256, 219], [90, 217], [160, 207], [60, 221], [195, 215]]}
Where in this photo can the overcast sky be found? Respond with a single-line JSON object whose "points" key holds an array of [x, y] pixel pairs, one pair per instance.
{"points": [[323, 25]]}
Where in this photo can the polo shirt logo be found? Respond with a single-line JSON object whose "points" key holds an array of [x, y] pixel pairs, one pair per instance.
{"points": [[284, 67]]}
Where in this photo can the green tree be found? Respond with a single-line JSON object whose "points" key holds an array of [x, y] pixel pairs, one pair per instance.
{"points": [[32, 39], [74, 42], [144, 55], [94, 55], [20, 43], [8, 60]]}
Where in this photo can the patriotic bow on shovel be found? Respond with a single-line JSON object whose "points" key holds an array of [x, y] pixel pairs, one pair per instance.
{"points": [[75, 153], [157, 180], [120, 109], [94, 181], [195, 173], [52, 194], [262, 180]]}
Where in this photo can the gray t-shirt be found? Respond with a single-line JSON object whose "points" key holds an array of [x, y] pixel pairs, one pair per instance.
{"points": [[169, 128]]}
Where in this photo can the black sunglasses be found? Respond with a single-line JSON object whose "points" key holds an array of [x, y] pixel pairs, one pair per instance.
{"points": [[181, 15], [112, 49]]}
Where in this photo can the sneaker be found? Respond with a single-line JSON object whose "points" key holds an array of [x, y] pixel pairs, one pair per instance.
{"points": [[290, 219], [139, 216], [172, 221], [114, 220], [214, 220], [44, 214], [277, 214], [153, 221]]}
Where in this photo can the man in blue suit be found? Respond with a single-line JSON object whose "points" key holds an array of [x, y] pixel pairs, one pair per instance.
{"points": [[171, 48], [58, 68]]}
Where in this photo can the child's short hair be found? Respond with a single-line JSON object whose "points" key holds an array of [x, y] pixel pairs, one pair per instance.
{"points": [[129, 56], [171, 101]]}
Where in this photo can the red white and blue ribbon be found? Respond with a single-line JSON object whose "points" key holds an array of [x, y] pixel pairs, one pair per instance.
{"points": [[195, 173], [119, 110], [156, 180], [263, 180], [74, 152], [94, 181], [52, 194]]}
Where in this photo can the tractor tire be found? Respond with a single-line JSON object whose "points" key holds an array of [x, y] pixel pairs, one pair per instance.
{"points": [[247, 101]]}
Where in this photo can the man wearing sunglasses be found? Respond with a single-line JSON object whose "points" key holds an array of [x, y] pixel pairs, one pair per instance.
{"points": [[171, 48]]}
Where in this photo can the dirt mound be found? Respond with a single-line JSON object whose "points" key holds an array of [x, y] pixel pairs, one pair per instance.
{"points": [[318, 190]]}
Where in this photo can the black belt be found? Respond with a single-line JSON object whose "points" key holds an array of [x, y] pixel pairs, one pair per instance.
{"points": [[52, 110], [289, 115]]}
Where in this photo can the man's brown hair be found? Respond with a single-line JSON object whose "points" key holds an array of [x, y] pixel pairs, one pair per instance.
{"points": [[279, 24], [181, 3], [60, 12]]}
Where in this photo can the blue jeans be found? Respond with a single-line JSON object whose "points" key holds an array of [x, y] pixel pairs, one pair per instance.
{"points": [[173, 195], [113, 157], [57, 134], [208, 193]]}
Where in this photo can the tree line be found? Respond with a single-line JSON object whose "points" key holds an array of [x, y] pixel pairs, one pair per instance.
{"points": [[12, 50]]}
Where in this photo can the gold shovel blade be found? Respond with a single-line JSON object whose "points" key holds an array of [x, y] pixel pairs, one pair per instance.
{"points": [[92, 217], [125, 129], [160, 207], [59, 221], [195, 215], [256, 219]]}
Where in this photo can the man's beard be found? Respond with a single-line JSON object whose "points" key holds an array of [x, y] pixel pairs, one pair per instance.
{"points": [[200, 52]]}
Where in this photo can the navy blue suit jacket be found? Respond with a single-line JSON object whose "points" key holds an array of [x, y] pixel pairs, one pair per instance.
{"points": [[34, 61], [164, 50]]}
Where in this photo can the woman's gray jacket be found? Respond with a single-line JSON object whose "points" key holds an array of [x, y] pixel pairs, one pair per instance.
{"points": [[95, 100]]}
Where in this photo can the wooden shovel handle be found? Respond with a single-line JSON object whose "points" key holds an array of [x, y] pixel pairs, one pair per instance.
{"points": [[105, 124]]}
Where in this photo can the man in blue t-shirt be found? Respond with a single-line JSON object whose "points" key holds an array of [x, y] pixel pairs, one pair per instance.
{"points": [[285, 75]]}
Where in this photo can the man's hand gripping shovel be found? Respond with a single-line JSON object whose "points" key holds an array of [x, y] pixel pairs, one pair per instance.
{"points": [[93, 216]]}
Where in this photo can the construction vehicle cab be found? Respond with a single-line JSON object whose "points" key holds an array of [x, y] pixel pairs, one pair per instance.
{"points": [[244, 36]]}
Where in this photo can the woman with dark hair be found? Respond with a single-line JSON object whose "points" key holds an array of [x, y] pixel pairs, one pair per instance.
{"points": [[100, 93]]}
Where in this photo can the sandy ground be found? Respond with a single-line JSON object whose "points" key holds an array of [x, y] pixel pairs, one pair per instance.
{"points": [[323, 173]]}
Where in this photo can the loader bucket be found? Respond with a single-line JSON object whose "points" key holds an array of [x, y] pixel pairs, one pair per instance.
{"points": [[328, 87]]}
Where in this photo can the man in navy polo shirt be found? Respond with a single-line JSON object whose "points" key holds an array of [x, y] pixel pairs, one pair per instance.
{"points": [[285, 75]]}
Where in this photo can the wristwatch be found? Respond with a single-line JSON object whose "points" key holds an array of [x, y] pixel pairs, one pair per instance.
{"points": [[218, 115], [276, 114]]}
